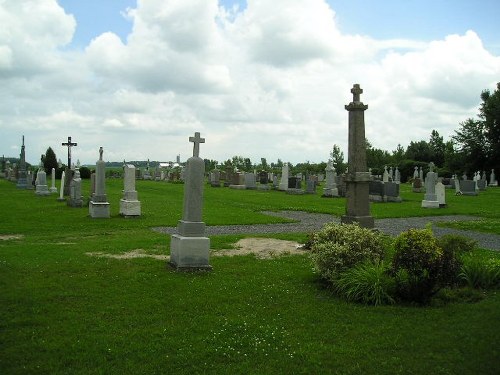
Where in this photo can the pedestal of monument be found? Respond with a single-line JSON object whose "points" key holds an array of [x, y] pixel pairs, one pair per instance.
{"points": [[129, 205], [99, 209], [357, 205], [189, 248]]}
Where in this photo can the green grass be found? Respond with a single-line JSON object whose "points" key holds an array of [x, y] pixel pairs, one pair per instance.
{"points": [[63, 312]]}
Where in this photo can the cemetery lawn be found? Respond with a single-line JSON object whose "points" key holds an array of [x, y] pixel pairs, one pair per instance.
{"points": [[64, 312]]}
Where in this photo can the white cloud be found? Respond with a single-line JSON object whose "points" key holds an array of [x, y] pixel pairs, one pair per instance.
{"points": [[269, 81]]}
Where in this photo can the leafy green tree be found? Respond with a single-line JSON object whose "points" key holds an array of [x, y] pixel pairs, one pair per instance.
{"points": [[489, 113], [472, 143], [437, 148], [398, 154], [419, 151], [49, 161], [337, 157]]}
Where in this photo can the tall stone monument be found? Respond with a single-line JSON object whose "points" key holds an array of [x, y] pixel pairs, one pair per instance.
{"points": [[189, 248], [22, 180], [357, 178], [129, 204], [99, 205]]}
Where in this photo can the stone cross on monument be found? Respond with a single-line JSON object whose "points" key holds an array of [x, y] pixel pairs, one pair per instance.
{"points": [[69, 144], [196, 147], [358, 177]]}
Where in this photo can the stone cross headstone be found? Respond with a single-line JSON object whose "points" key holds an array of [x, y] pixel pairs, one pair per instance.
{"points": [[189, 248], [358, 177], [99, 205], [430, 198], [130, 206]]}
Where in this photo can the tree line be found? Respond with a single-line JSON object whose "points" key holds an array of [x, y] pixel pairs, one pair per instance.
{"points": [[475, 146]]}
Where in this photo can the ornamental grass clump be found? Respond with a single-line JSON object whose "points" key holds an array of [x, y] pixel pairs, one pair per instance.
{"points": [[476, 272], [338, 247], [368, 283]]}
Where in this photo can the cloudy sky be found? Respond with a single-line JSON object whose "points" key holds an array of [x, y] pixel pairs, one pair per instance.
{"points": [[257, 78]]}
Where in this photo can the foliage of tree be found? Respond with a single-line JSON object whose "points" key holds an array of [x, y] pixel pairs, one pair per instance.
{"points": [[49, 161], [437, 148], [478, 140], [337, 157]]}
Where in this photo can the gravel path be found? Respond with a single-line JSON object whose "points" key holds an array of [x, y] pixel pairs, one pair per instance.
{"points": [[309, 222]]}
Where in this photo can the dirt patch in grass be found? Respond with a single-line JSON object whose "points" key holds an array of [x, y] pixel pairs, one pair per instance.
{"points": [[262, 248], [6, 237]]}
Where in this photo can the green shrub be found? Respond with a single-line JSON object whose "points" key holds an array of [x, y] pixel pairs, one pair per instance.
{"points": [[368, 283], [417, 264], [338, 247], [454, 247], [480, 273], [85, 172]]}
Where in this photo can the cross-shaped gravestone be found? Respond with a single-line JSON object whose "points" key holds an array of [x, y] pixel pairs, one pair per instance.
{"points": [[69, 144], [356, 92], [196, 140]]}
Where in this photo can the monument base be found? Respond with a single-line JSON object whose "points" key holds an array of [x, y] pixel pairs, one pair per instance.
{"points": [[263, 187], [42, 190], [53, 190], [130, 208], [189, 253], [99, 209], [294, 191], [363, 221], [77, 203], [430, 204], [239, 187]]}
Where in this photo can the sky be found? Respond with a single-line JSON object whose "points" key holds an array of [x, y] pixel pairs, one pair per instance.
{"points": [[258, 79]]}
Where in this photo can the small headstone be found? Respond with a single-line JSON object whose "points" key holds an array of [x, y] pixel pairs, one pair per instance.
{"points": [[41, 186], [441, 194], [250, 182], [385, 176], [330, 190], [215, 178], [311, 186], [417, 185], [75, 190], [61, 190], [493, 179], [430, 197], [130, 206], [397, 176]]}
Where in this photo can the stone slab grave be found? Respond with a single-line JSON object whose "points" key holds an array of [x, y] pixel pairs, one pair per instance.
{"points": [[376, 191], [468, 187], [263, 181], [189, 247], [294, 186], [238, 181], [250, 182], [392, 192], [99, 205], [283, 185], [130, 206]]}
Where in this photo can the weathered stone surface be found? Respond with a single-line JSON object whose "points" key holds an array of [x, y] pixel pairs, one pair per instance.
{"points": [[129, 204], [99, 205]]}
